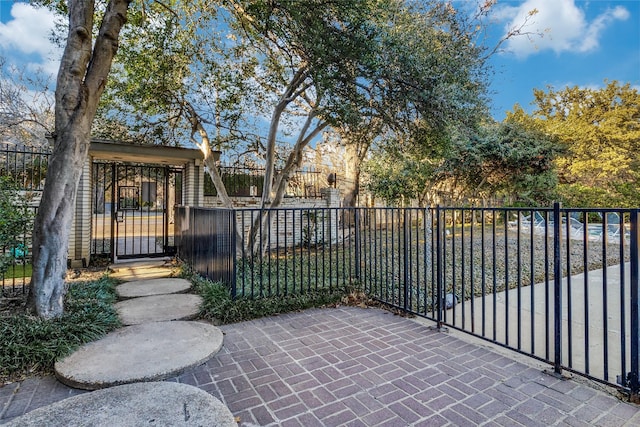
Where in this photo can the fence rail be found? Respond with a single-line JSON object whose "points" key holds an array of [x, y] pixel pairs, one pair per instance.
{"points": [[559, 285]]}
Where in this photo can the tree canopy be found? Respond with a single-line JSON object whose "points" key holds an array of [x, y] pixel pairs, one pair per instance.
{"points": [[504, 160], [599, 130], [496, 160], [208, 70], [392, 66]]}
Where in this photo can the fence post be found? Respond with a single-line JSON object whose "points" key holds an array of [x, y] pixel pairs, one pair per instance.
{"points": [[633, 378], [405, 238], [356, 224], [557, 288], [191, 227], [233, 252], [438, 267], [114, 223]]}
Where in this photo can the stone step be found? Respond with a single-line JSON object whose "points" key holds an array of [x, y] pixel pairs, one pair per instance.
{"points": [[149, 287], [140, 353], [142, 404], [158, 308]]}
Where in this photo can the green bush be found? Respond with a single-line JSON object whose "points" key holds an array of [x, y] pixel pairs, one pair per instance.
{"points": [[31, 345], [219, 307], [580, 196]]}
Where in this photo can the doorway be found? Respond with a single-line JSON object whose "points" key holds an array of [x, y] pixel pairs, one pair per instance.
{"points": [[132, 210]]}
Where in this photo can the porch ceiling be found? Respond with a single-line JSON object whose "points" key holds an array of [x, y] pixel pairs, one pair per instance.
{"points": [[156, 154]]}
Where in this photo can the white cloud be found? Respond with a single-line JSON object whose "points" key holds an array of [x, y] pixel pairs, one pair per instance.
{"points": [[28, 33], [504, 12], [563, 25], [601, 23]]}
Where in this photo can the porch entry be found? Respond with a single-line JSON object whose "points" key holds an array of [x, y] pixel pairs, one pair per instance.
{"points": [[132, 209]]}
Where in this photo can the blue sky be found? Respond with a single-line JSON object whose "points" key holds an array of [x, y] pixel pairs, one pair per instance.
{"points": [[583, 43]]}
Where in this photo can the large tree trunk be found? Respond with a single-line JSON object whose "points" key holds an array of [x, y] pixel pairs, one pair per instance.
{"points": [[81, 80]]}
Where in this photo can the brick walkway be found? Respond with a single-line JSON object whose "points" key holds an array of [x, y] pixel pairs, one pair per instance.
{"points": [[367, 367]]}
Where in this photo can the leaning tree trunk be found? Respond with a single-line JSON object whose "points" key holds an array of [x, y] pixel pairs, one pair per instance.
{"points": [[204, 144], [264, 220], [353, 164], [295, 88], [81, 79]]}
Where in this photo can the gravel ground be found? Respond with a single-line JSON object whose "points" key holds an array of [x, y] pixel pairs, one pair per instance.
{"points": [[476, 266], [504, 257]]}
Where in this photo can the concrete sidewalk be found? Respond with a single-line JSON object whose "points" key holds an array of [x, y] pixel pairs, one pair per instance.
{"points": [[367, 367], [529, 314]]}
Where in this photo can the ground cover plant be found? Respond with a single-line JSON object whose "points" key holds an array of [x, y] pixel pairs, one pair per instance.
{"points": [[492, 260], [31, 345], [220, 308]]}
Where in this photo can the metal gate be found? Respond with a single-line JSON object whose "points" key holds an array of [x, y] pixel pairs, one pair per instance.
{"points": [[132, 210]]}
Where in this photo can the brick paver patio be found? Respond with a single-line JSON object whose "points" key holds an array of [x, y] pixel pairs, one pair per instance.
{"points": [[367, 367]]}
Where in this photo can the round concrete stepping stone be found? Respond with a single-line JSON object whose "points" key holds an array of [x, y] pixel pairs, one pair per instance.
{"points": [[147, 352], [158, 308], [132, 405], [145, 288]]}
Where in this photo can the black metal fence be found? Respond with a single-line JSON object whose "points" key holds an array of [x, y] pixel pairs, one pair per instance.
{"points": [[16, 261], [206, 241], [244, 181], [559, 285], [27, 167]]}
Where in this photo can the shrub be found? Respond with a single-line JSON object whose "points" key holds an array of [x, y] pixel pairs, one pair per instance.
{"points": [[218, 305], [32, 345]]}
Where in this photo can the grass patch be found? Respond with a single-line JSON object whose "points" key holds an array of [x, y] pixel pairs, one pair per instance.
{"points": [[295, 271], [30, 345], [218, 305], [18, 271]]}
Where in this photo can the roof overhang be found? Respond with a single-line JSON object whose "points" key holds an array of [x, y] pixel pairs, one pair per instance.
{"points": [[136, 153]]}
